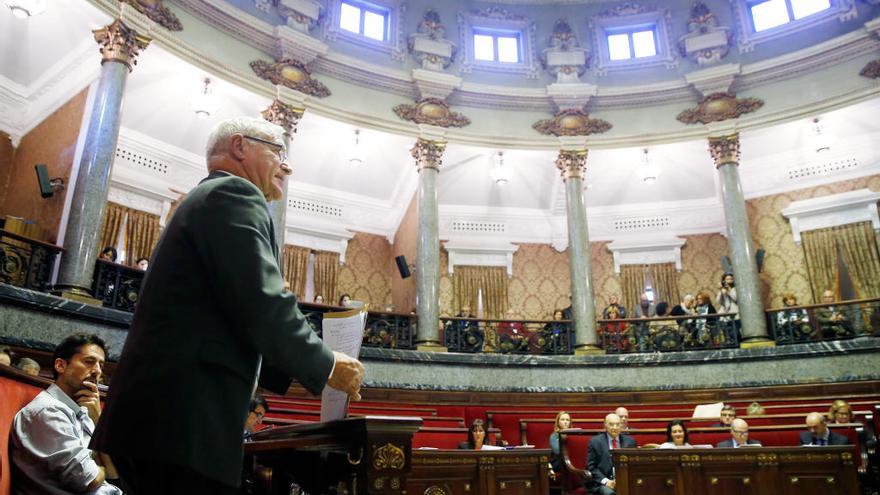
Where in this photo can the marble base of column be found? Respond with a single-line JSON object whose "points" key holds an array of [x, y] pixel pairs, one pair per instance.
{"points": [[588, 350]]}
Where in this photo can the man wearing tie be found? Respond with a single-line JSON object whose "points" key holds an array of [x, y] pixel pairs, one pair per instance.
{"points": [[739, 436], [50, 435], [818, 433], [599, 455]]}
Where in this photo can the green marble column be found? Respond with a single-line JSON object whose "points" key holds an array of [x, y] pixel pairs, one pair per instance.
{"points": [[286, 116]]}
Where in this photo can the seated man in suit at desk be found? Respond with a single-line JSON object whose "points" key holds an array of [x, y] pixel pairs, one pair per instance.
{"points": [[739, 436], [256, 412], [599, 455], [818, 433]]}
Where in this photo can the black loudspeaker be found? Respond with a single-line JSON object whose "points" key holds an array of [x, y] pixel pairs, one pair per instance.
{"points": [[759, 259], [43, 179], [402, 266], [725, 264]]}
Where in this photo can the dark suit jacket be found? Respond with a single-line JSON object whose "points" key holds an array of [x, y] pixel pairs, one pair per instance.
{"points": [[833, 438], [728, 444], [599, 457], [210, 306]]}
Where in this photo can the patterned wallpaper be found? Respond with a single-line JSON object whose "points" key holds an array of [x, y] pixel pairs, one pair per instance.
{"points": [[784, 266], [701, 264], [403, 291], [541, 281], [367, 271]]}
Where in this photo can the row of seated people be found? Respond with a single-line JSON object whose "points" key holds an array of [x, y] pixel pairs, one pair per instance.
{"points": [[24, 363]]}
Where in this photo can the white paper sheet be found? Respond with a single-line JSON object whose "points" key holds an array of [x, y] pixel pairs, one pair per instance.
{"points": [[343, 332], [708, 411]]}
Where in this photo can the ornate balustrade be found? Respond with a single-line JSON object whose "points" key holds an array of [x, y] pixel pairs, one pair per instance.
{"points": [[816, 322], [26, 262], [666, 333], [117, 286], [383, 329], [549, 337]]}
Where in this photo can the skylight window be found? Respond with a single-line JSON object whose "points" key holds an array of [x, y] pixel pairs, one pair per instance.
{"points": [[772, 13], [633, 43], [364, 19], [497, 46]]}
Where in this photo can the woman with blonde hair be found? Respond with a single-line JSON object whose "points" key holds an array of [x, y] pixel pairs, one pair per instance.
{"points": [[840, 412], [563, 421]]}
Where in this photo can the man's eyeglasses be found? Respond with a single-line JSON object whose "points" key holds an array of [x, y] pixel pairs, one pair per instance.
{"points": [[282, 153]]}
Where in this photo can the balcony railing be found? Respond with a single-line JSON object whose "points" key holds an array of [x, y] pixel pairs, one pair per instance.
{"points": [[385, 330], [117, 286], [507, 336], [26, 262], [817, 322], [665, 333]]}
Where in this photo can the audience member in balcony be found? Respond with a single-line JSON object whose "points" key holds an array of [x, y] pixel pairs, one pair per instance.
{"points": [[465, 335], [319, 299], [704, 328], [645, 309], [818, 433], [664, 335], [676, 436], [726, 302], [840, 412], [49, 435], [725, 420], [257, 410], [832, 319], [599, 455], [563, 421], [614, 334], [555, 331], [613, 306], [29, 366], [212, 318], [684, 308], [5, 356], [739, 436], [143, 263], [109, 254], [793, 324], [345, 300], [510, 334], [623, 414]]}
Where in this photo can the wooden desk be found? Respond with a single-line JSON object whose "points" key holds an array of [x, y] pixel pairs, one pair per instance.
{"points": [[752, 471], [484, 472]]}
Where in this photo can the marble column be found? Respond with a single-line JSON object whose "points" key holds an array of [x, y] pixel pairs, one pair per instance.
{"points": [[428, 154], [120, 46], [286, 116], [725, 153], [572, 164]]}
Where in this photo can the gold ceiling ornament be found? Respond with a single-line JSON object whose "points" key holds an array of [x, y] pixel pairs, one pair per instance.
{"points": [[872, 70], [284, 115], [428, 153], [157, 12], [292, 74], [120, 43], [725, 149], [433, 111], [571, 122], [572, 163], [717, 107], [389, 456]]}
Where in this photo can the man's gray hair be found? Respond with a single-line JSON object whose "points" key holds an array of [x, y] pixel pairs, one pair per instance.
{"points": [[27, 362], [247, 126]]}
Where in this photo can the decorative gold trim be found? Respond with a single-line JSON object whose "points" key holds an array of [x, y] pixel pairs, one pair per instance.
{"points": [[284, 115], [752, 344], [389, 456], [725, 149], [872, 70], [435, 490], [157, 12], [717, 107], [571, 122], [120, 43], [292, 74], [572, 164], [433, 111], [428, 154]]}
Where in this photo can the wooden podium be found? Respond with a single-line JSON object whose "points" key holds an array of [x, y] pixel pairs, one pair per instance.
{"points": [[752, 471]]}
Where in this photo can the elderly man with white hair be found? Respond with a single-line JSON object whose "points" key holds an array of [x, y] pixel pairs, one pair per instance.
{"points": [[599, 455]]}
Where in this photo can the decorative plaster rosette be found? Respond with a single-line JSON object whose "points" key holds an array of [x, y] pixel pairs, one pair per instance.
{"points": [[291, 73], [158, 13], [872, 70], [433, 111], [717, 107], [571, 122]]}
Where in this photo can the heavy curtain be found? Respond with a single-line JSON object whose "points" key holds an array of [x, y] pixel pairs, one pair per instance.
{"points": [[114, 214], [469, 280], [141, 235], [632, 284], [294, 265], [821, 256], [858, 248], [326, 273], [665, 283]]}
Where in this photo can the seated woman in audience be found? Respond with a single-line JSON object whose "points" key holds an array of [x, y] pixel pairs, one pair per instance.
{"points": [[703, 327], [676, 436], [554, 332], [109, 254], [563, 421], [613, 334], [345, 300], [319, 299], [794, 324], [840, 412]]}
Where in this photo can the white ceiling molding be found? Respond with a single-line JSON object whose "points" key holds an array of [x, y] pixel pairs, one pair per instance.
{"points": [[136, 199], [319, 238], [832, 210], [640, 250], [480, 251]]}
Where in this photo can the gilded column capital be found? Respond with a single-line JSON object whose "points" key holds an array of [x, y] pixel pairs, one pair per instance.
{"points": [[572, 163], [725, 149], [284, 115], [428, 153], [120, 43]]}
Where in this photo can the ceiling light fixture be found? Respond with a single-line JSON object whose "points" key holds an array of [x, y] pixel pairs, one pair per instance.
{"points": [[356, 160], [22, 9], [823, 138], [499, 173], [647, 171], [204, 103]]}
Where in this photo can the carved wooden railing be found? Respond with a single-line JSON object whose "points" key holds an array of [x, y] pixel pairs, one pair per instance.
{"points": [[817, 322], [26, 262]]}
